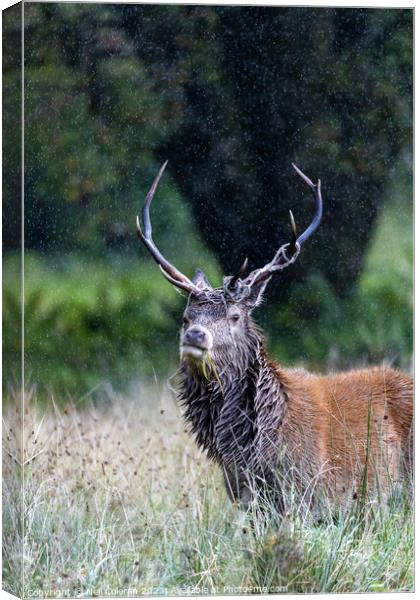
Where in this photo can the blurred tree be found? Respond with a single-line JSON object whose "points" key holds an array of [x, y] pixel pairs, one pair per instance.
{"points": [[230, 95]]}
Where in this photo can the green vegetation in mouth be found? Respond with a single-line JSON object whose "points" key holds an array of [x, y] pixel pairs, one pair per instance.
{"points": [[203, 365], [208, 368]]}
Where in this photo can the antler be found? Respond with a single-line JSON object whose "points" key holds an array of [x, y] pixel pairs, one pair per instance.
{"points": [[231, 286], [288, 253], [168, 270]]}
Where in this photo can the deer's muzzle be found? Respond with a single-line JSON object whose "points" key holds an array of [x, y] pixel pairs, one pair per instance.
{"points": [[195, 342]]}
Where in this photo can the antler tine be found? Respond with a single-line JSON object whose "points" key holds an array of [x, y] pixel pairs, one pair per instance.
{"points": [[181, 284], [316, 189], [171, 273], [232, 283], [148, 201], [292, 243], [282, 259]]}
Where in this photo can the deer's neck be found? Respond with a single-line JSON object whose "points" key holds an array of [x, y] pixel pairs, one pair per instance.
{"points": [[236, 416]]}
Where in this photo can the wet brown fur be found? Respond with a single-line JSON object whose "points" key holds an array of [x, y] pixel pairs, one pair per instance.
{"points": [[351, 425]]}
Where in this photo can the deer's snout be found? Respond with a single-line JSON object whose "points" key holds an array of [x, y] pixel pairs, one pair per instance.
{"points": [[195, 336], [195, 341]]}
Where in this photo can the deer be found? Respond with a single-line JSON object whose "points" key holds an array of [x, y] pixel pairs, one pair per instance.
{"points": [[269, 428]]}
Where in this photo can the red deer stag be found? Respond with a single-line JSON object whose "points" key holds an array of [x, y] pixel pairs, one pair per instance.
{"points": [[332, 435]]}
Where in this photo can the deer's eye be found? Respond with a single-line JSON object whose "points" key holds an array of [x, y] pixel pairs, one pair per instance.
{"points": [[235, 317], [185, 321]]}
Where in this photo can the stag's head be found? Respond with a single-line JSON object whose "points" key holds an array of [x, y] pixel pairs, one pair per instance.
{"points": [[217, 321]]}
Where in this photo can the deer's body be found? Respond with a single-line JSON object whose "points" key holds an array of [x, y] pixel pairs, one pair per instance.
{"points": [[330, 433], [271, 428]]}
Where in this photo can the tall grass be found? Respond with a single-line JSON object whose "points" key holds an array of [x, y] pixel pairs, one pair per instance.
{"points": [[118, 500]]}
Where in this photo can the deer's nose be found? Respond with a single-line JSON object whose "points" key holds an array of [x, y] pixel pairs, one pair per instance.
{"points": [[195, 336]]}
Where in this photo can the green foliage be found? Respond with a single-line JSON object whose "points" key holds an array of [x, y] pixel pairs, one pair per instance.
{"points": [[91, 322], [85, 321], [95, 118]]}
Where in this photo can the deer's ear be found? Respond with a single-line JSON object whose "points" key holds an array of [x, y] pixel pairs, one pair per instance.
{"points": [[200, 280], [256, 294]]}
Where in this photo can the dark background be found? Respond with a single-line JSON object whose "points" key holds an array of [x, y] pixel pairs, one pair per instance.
{"points": [[230, 96]]}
